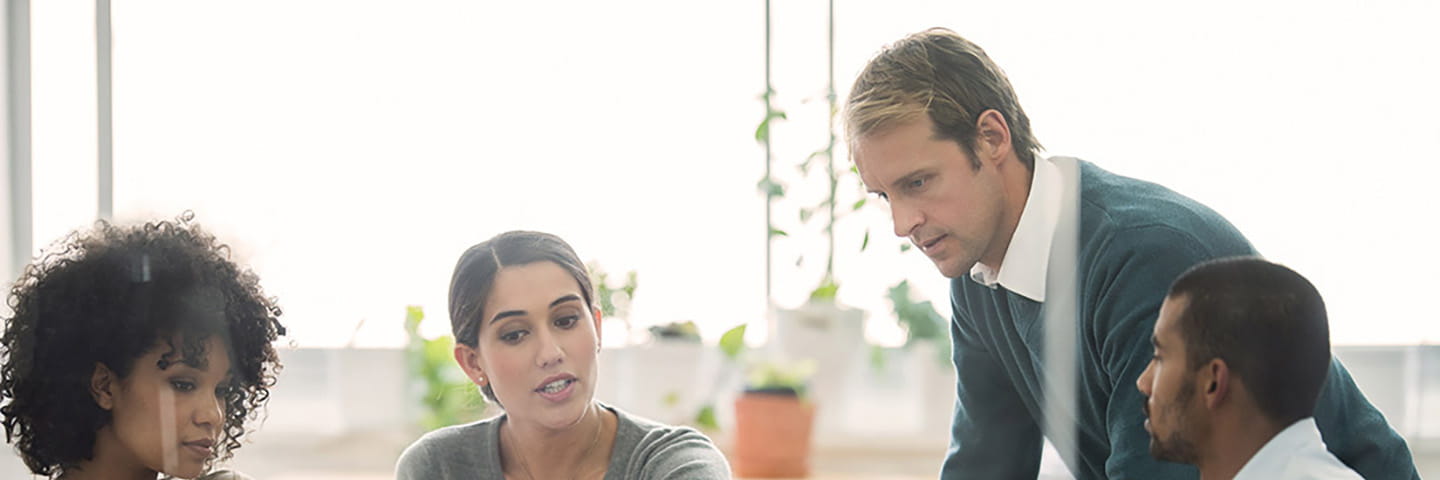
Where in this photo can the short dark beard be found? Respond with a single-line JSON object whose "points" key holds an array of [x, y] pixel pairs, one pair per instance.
{"points": [[1176, 448]]}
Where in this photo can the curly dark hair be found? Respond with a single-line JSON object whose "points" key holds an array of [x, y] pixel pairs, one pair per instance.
{"points": [[109, 295]]}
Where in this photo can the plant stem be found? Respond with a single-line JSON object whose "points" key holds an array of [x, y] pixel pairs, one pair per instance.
{"points": [[769, 199], [830, 147]]}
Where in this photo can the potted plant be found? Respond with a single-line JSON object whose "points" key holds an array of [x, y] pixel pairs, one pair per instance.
{"points": [[820, 329], [922, 324], [649, 365], [685, 332], [731, 346], [665, 376], [774, 421], [927, 340], [774, 416]]}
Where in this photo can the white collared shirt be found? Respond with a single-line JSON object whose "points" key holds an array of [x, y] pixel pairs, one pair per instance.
{"points": [[1297, 452], [1028, 257]]}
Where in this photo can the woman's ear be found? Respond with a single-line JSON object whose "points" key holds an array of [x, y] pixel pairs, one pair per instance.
{"points": [[103, 382], [469, 359]]}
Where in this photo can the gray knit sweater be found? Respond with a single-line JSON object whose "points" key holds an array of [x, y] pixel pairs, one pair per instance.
{"points": [[644, 450]]}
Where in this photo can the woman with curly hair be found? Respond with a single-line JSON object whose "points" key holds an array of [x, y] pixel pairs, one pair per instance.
{"points": [[527, 331], [134, 351]]}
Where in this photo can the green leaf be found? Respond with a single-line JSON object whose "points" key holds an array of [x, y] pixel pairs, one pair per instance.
{"points": [[877, 357], [809, 160], [904, 247], [446, 395], [826, 291], [770, 187], [671, 399], [866, 242], [685, 331], [769, 92], [762, 132], [733, 341], [806, 213], [413, 315], [790, 375], [858, 204], [439, 351], [630, 283], [919, 319], [775, 232], [705, 419]]}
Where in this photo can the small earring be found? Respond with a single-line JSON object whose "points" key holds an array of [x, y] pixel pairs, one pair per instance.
{"points": [[482, 380]]}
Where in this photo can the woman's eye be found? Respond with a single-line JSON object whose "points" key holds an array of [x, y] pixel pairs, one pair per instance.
{"points": [[917, 183], [182, 385], [513, 336], [567, 322]]}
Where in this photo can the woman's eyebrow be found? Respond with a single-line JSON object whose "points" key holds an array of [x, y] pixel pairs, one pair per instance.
{"points": [[512, 313]]}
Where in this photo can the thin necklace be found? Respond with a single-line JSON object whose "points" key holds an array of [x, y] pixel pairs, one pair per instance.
{"points": [[525, 466]]}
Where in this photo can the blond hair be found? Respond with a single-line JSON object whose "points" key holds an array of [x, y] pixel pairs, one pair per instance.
{"points": [[938, 73]]}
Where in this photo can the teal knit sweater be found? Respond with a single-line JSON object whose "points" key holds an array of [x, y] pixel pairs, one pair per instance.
{"points": [[1135, 238]]}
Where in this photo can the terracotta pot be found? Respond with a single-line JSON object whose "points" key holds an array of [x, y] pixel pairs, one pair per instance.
{"points": [[772, 436]]}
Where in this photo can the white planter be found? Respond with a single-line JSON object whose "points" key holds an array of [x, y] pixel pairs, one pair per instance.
{"points": [[662, 381], [834, 337], [935, 383], [911, 389]]}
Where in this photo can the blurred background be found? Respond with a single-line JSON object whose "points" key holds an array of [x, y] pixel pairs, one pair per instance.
{"points": [[348, 151]]}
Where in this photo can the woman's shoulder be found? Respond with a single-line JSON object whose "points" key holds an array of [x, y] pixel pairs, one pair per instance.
{"points": [[659, 450], [449, 443], [651, 431]]}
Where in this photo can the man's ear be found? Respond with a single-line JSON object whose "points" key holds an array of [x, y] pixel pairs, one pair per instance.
{"points": [[103, 383], [469, 359], [992, 136], [1216, 386]]}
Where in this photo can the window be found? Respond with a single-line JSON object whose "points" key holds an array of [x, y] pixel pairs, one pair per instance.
{"points": [[349, 151]]}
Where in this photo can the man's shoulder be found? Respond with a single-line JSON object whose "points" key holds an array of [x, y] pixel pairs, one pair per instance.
{"points": [[1119, 214]]}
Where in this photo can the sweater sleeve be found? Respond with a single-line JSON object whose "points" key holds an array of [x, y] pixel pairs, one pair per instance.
{"points": [[1125, 290], [681, 453], [1357, 433], [992, 436]]}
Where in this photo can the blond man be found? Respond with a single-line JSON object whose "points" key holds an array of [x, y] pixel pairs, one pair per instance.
{"points": [[936, 130]]}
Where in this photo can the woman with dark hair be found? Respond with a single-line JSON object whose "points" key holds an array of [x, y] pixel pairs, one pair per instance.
{"points": [[135, 351], [527, 331]]}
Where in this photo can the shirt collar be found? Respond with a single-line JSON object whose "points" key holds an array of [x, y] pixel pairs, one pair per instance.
{"points": [[1027, 259], [1300, 439]]}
